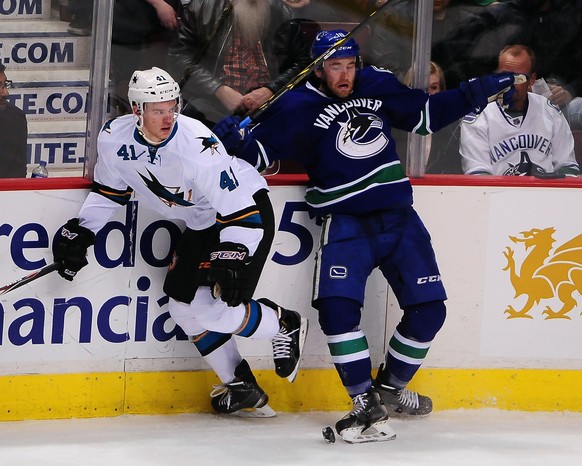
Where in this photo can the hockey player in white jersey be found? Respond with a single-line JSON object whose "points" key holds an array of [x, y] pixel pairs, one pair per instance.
{"points": [[530, 136], [179, 168]]}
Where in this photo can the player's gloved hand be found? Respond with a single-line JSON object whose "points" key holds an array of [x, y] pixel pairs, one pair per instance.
{"points": [[482, 90], [227, 274], [70, 248], [233, 138]]}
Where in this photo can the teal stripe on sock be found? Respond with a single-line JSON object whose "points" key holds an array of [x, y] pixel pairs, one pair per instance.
{"points": [[407, 350], [343, 348]]}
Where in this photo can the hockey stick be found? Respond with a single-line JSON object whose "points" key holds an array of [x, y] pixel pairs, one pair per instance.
{"points": [[302, 74], [30, 277]]}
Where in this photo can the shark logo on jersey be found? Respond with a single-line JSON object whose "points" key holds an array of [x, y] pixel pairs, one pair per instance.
{"points": [[209, 142], [361, 136], [175, 198]]}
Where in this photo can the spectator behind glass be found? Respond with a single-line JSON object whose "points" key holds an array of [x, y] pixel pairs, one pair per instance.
{"points": [[530, 137], [231, 60], [142, 33], [81, 17], [442, 147], [13, 133], [551, 28], [392, 32], [330, 10]]}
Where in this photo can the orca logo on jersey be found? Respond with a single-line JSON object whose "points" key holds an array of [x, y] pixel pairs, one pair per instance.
{"points": [[545, 273], [525, 167], [361, 136]]}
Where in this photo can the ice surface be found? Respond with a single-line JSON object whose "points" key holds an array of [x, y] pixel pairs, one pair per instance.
{"points": [[458, 437]]}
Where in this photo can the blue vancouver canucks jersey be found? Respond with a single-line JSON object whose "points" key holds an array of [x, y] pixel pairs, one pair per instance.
{"points": [[346, 145]]}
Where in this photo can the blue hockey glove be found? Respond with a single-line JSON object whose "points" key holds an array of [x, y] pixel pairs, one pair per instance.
{"points": [[480, 91], [70, 248], [227, 274], [233, 137]]}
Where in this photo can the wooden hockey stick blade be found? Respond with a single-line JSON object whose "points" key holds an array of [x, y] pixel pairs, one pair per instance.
{"points": [[30, 277], [303, 73]]}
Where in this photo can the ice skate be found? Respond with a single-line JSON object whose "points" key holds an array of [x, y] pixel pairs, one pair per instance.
{"points": [[367, 421], [242, 397], [288, 343], [401, 402]]}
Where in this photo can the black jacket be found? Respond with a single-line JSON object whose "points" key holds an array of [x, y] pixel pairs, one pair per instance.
{"points": [[13, 138], [196, 56]]}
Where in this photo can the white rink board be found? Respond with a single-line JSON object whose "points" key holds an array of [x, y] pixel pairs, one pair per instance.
{"points": [[124, 323]]}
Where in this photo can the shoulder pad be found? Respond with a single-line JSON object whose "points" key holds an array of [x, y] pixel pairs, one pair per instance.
{"points": [[470, 118]]}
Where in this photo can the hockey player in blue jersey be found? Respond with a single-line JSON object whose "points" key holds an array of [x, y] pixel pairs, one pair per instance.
{"points": [[179, 169], [338, 125]]}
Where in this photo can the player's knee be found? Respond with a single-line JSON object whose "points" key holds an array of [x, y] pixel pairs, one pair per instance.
{"points": [[182, 315], [338, 315], [422, 322]]}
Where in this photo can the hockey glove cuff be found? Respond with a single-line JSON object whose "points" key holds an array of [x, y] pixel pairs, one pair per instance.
{"points": [[227, 274], [70, 248], [482, 90]]}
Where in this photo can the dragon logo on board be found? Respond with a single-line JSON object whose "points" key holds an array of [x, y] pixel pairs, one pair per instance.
{"points": [[545, 273]]}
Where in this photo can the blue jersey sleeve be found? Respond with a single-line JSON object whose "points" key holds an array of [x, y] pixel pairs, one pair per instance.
{"points": [[276, 134], [412, 110]]}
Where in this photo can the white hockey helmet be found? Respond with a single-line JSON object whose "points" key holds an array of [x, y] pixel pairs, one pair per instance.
{"points": [[153, 85]]}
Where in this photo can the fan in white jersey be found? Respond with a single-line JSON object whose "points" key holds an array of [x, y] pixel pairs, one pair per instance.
{"points": [[529, 137], [180, 169]]}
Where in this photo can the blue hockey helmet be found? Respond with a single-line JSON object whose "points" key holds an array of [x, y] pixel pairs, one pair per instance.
{"points": [[324, 40]]}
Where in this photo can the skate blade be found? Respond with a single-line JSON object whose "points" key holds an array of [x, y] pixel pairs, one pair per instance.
{"points": [[377, 432], [264, 411], [302, 337]]}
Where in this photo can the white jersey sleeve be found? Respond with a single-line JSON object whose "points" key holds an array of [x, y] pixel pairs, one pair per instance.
{"points": [[474, 145]]}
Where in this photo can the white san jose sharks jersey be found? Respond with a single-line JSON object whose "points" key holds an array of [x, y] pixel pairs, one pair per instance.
{"points": [[188, 177], [538, 142], [346, 145]]}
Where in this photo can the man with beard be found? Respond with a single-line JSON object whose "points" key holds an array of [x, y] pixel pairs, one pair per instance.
{"points": [[13, 133], [231, 56], [339, 127]]}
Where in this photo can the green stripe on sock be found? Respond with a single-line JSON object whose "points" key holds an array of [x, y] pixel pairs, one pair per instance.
{"points": [[407, 350], [348, 347]]}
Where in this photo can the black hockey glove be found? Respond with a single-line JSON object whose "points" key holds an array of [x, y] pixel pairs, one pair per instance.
{"points": [[227, 274], [233, 138], [480, 91], [70, 248]]}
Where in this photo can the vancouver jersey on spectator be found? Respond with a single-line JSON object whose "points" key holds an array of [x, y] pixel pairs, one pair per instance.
{"points": [[536, 143]]}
